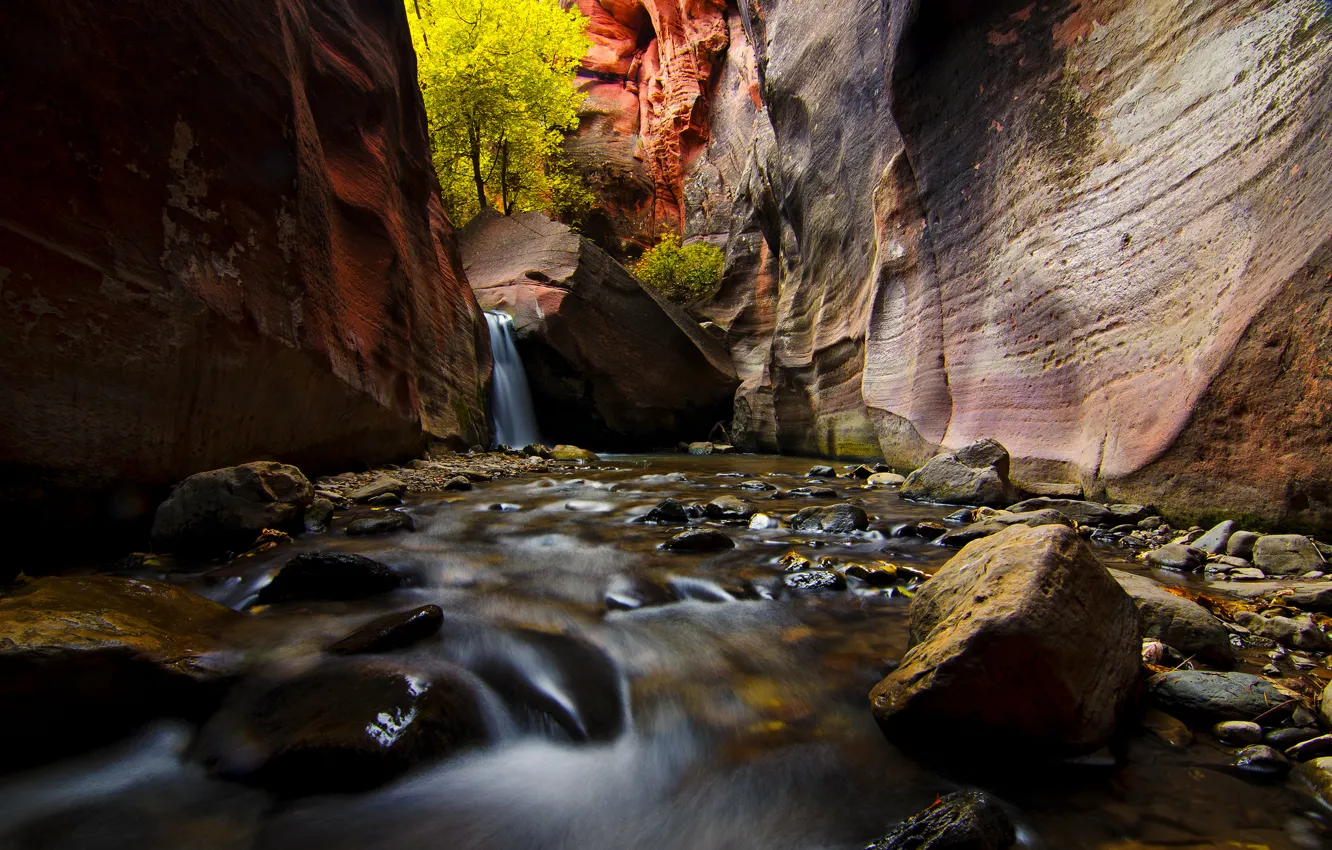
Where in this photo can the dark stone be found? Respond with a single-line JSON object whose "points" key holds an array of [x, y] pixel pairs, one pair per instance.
{"points": [[834, 519], [698, 540], [384, 500], [814, 580], [1284, 739], [1177, 556], [318, 515], [729, 508], [1209, 697], [964, 820], [1311, 749], [458, 482], [1214, 541], [343, 726], [223, 510], [329, 575], [380, 522], [667, 511], [392, 631], [1310, 600], [821, 472], [1260, 762], [755, 485], [629, 593], [1082, 512], [380, 485]]}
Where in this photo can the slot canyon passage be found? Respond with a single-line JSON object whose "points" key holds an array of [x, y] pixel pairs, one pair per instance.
{"points": [[982, 499]]}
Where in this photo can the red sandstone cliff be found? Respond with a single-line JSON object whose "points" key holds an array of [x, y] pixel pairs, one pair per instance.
{"points": [[220, 240]]}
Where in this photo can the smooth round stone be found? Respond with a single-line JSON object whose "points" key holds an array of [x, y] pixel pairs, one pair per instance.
{"points": [[1312, 748], [392, 631], [698, 540], [1261, 762], [1238, 732], [760, 522], [1284, 739]]}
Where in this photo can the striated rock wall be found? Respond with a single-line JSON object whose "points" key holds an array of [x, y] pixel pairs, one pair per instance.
{"points": [[220, 239], [1096, 230]]}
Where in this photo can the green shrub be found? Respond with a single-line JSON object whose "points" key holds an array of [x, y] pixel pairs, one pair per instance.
{"points": [[681, 272]]}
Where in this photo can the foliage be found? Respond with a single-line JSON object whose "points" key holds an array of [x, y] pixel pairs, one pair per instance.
{"points": [[681, 272], [498, 77]]}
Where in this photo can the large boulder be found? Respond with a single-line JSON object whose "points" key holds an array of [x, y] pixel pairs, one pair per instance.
{"points": [[221, 510], [83, 660], [973, 475], [1287, 555], [245, 257], [1022, 640], [608, 361], [1177, 622]]}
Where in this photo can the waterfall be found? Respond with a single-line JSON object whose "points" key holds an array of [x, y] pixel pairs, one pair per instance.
{"points": [[510, 398]]}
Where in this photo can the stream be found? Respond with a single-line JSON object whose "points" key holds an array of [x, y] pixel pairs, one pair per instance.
{"points": [[722, 720]]}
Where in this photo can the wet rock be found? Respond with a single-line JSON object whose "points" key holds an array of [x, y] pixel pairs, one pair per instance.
{"points": [[1238, 732], [1210, 697], [1284, 739], [1082, 512], [223, 510], [384, 500], [345, 725], [755, 485], [814, 580], [629, 593], [1022, 640], [833, 519], [1177, 556], [761, 522], [963, 820], [729, 508], [328, 575], [84, 660], [1286, 555], [381, 485], [380, 522], [885, 479], [667, 511], [698, 540], [1214, 541], [1310, 600], [1260, 762], [1179, 622], [821, 472], [573, 453], [883, 574], [1241, 543], [699, 449], [686, 587], [1310, 748], [928, 530], [458, 483], [974, 475], [999, 521], [1169, 730], [318, 515], [1325, 707], [392, 631]]}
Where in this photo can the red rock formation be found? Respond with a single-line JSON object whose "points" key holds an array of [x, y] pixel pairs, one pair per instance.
{"points": [[648, 77], [220, 240]]}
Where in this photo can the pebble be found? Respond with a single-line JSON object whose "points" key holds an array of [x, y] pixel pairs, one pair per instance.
{"points": [[1312, 748], [814, 580], [1238, 732], [1284, 739], [1261, 762]]}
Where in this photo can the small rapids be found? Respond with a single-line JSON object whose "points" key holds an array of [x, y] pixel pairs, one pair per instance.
{"points": [[637, 697]]}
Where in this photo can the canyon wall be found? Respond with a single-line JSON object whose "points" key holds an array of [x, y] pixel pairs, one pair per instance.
{"points": [[1096, 230], [220, 239]]}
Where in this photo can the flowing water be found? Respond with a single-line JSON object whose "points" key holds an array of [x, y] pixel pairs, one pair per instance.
{"points": [[722, 720], [511, 399]]}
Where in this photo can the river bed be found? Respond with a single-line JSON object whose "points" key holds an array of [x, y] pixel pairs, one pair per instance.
{"points": [[721, 722]]}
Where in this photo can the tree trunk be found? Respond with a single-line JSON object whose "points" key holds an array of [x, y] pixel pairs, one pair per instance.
{"points": [[474, 136]]}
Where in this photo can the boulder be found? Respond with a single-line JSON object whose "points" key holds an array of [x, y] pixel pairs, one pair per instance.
{"points": [[833, 519], [344, 725], [1241, 543], [328, 575], [392, 631], [973, 475], [1178, 622], [1209, 697], [963, 820], [1022, 640], [1286, 555], [1082, 512], [1214, 541], [1177, 556], [998, 522], [222, 510], [246, 258], [729, 508], [606, 358], [83, 660], [1296, 633]]}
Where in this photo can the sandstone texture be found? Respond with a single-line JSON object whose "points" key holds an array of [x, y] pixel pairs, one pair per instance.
{"points": [[609, 363], [1095, 231], [224, 243], [1022, 640]]}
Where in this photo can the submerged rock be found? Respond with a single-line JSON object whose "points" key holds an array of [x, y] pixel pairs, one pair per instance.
{"points": [[834, 519], [1022, 640], [1178, 622], [392, 631], [573, 453], [223, 510], [974, 475], [963, 820], [83, 660], [380, 522], [668, 511], [698, 540], [821, 472], [328, 575], [345, 725]]}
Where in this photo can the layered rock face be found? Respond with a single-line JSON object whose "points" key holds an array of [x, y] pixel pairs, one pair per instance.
{"points": [[609, 363], [1096, 231], [223, 242]]}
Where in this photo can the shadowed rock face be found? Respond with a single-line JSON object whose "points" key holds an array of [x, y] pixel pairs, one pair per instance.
{"points": [[223, 242], [609, 363], [1095, 231]]}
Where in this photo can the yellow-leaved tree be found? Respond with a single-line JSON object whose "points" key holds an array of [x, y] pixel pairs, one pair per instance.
{"points": [[498, 77]]}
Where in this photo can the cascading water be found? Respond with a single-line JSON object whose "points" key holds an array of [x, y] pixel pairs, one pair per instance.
{"points": [[510, 398]]}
